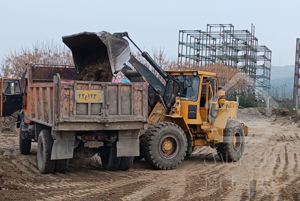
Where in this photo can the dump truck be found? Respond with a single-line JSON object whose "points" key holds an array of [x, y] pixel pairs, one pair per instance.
{"points": [[186, 108], [66, 116]]}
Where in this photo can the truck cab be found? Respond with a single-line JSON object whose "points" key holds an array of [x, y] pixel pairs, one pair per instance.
{"points": [[11, 96]]}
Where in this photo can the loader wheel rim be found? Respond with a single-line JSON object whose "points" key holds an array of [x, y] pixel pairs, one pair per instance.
{"points": [[168, 146], [237, 142]]}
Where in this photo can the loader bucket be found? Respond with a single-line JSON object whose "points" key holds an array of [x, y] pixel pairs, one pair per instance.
{"points": [[93, 48]]}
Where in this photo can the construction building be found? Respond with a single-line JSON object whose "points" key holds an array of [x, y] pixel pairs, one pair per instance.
{"points": [[221, 43]]}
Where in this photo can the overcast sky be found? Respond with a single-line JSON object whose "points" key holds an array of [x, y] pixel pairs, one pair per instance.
{"points": [[151, 24]]}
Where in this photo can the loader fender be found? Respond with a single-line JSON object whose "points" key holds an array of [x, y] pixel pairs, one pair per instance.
{"points": [[179, 120]]}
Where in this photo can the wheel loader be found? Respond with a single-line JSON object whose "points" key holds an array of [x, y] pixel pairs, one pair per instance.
{"points": [[186, 108]]}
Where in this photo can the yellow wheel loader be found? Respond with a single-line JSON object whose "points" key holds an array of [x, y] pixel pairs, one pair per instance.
{"points": [[186, 110]]}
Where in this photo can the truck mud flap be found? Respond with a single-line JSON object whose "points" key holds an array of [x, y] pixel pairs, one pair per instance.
{"points": [[63, 145], [128, 143]]}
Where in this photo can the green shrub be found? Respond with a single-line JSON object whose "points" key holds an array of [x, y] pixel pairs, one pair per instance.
{"points": [[245, 99]]}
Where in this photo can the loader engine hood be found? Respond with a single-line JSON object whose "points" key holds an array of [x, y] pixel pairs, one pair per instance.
{"points": [[92, 48]]}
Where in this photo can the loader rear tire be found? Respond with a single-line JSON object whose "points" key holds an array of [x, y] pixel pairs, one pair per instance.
{"points": [[44, 149], [125, 163], [24, 144], [109, 158], [164, 145], [61, 166], [232, 148]]}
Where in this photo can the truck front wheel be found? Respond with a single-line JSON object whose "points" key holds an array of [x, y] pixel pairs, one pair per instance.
{"points": [[164, 145], [109, 158], [24, 144], [44, 149]]}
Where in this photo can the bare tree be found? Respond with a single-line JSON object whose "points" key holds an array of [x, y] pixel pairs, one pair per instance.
{"points": [[14, 63]]}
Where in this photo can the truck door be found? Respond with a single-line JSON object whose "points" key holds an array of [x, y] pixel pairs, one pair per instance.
{"points": [[11, 96]]}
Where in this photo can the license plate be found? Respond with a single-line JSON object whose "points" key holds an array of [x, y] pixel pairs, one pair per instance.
{"points": [[89, 96], [93, 144]]}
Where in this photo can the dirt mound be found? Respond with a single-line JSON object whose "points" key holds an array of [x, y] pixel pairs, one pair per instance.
{"points": [[249, 113], [268, 112], [7, 124]]}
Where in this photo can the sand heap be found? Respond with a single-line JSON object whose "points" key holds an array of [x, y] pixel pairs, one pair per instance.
{"points": [[7, 124]]}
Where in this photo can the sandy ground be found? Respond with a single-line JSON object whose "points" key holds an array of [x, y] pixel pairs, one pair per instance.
{"points": [[269, 170]]}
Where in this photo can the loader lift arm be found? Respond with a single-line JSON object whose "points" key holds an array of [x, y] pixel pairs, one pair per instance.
{"points": [[88, 47], [164, 91]]}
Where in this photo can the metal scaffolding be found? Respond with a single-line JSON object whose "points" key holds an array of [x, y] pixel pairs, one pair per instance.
{"points": [[297, 68], [221, 43]]}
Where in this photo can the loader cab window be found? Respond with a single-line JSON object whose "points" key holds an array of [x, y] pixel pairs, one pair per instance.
{"points": [[188, 87], [203, 92], [11, 87]]}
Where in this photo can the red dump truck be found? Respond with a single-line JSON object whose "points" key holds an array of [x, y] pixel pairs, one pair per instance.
{"points": [[66, 116]]}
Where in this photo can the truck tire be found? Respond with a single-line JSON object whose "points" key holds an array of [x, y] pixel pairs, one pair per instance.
{"points": [[164, 145], [24, 144], [109, 158], [233, 144], [126, 163], [61, 166], [138, 158], [44, 149]]}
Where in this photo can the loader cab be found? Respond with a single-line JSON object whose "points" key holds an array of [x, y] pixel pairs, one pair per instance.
{"points": [[11, 96], [196, 89]]}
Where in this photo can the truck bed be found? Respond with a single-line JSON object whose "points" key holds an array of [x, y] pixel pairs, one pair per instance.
{"points": [[71, 105]]}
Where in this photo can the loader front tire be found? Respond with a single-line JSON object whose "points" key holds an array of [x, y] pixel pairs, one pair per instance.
{"points": [[164, 145], [44, 149], [109, 158], [232, 147]]}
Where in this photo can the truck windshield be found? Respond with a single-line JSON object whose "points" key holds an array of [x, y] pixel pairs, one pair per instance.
{"points": [[188, 87]]}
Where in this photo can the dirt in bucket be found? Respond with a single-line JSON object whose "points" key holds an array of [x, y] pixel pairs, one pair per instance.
{"points": [[96, 69]]}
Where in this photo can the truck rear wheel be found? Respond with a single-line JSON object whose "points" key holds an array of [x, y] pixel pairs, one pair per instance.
{"points": [[126, 163], [61, 166], [44, 149], [24, 144], [164, 145], [233, 144], [109, 158]]}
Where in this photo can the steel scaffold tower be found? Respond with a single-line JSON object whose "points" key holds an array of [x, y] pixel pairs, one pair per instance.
{"points": [[297, 68], [221, 43]]}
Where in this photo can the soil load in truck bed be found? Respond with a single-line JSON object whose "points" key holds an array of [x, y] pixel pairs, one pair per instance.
{"points": [[98, 71]]}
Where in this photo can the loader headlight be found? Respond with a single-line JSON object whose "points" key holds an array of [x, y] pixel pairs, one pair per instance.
{"points": [[195, 73]]}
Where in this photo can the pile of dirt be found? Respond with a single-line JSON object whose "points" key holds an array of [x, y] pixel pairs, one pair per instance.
{"points": [[280, 112], [95, 70], [248, 114], [7, 124]]}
